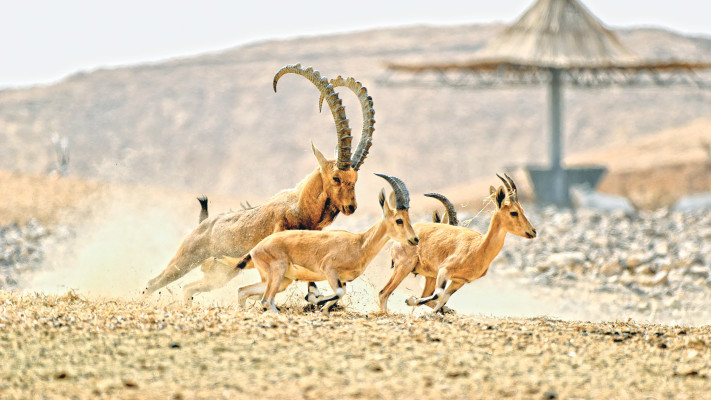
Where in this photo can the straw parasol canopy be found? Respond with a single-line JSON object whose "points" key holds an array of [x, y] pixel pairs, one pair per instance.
{"points": [[554, 42], [558, 34]]}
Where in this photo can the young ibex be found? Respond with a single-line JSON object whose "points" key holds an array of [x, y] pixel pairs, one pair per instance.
{"points": [[335, 256], [450, 256], [220, 241]]}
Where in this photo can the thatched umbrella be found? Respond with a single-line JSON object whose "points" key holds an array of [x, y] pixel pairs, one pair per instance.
{"points": [[557, 41]]}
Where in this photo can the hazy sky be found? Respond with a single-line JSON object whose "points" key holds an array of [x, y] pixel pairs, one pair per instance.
{"points": [[44, 41]]}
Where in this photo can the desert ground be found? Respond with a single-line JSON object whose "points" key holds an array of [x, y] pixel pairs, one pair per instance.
{"points": [[94, 337], [75, 347]]}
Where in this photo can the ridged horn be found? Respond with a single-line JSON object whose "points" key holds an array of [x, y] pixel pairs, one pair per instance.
{"points": [[514, 192], [402, 196], [509, 189], [366, 105], [343, 131], [451, 212]]}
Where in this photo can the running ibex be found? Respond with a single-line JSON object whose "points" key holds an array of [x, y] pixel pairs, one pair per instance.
{"points": [[335, 256], [450, 256], [219, 242]]}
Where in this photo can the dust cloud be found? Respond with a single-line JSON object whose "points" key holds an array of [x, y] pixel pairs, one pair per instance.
{"points": [[120, 239], [125, 236]]}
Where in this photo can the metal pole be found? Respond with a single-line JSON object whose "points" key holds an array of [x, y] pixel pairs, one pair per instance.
{"points": [[560, 187]]}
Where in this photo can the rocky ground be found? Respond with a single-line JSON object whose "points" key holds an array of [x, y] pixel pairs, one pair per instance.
{"points": [[75, 347], [607, 305], [648, 266], [651, 266], [20, 252]]}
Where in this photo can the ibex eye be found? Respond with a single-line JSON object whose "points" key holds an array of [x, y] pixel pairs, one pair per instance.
{"points": [[337, 180], [514, 213], [398, 221]]}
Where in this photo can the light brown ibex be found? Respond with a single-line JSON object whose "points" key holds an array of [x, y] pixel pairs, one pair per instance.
{"points": [[335, 256], [450, 256], [220, 241]]}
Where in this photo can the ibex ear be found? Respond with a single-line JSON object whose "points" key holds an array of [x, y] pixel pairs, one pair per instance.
{"points": [[435, 217], [445, 218], [500, 197], [492, 190], [392, 201], [383, 203], [319, 156]]}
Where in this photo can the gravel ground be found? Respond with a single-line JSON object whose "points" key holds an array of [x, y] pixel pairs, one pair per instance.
{"points": [[643, 280], [73, 347]]}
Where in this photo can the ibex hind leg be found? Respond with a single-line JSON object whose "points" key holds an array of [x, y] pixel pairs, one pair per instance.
{"points": [[254, 290], [216, 274], [268, 298], [400, 272], [174, 271]]}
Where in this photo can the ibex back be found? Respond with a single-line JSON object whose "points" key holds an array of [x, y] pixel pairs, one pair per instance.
{"points": [[219, 242]]}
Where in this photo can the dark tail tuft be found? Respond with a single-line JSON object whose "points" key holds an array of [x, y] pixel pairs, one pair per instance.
{"points": [[203, 208], [243, 262]]}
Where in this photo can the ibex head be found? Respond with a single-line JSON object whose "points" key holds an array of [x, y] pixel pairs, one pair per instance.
{"points": [[339, 176], [397, 221], [510, 212], [338, 184]]}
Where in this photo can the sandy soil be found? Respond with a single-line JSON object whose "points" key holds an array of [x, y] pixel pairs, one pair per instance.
{"points": [[69, 346], [73, 346]]}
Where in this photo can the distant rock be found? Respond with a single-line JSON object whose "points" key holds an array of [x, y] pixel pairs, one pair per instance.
{"points": [[699, 202], [584, 197]]}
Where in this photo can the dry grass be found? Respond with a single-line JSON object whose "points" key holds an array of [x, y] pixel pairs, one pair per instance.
{"points": [[71, 346]]}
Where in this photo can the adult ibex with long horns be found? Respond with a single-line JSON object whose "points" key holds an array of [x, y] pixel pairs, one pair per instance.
{"points": [[219, 242]]}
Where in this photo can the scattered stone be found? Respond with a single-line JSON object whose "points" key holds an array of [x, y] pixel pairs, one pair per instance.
{"points": [[20, 251], [658, 278], [699, 270], [610, 268]]}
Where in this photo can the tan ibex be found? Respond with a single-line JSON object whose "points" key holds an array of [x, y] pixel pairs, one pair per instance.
{"points": [[450, 256], [220, 241], [335, 256]]}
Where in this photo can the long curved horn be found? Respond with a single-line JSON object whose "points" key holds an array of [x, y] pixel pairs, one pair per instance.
{"points": [[335, 104], [366, 105], [514, 193], [402, 196], [451, 212]]}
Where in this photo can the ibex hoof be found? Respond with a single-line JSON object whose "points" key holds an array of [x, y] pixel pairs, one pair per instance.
{"points": [[412, 301]]}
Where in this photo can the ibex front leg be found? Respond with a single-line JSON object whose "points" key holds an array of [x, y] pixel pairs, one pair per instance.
{"points": [[445, 289], [314, 295], [339, 289]]}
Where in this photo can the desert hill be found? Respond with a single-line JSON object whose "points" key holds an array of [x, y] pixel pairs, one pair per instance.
{"points": [[212, 124]]}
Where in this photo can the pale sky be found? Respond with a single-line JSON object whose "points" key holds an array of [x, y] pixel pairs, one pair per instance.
{"points": [[44, 41]]}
